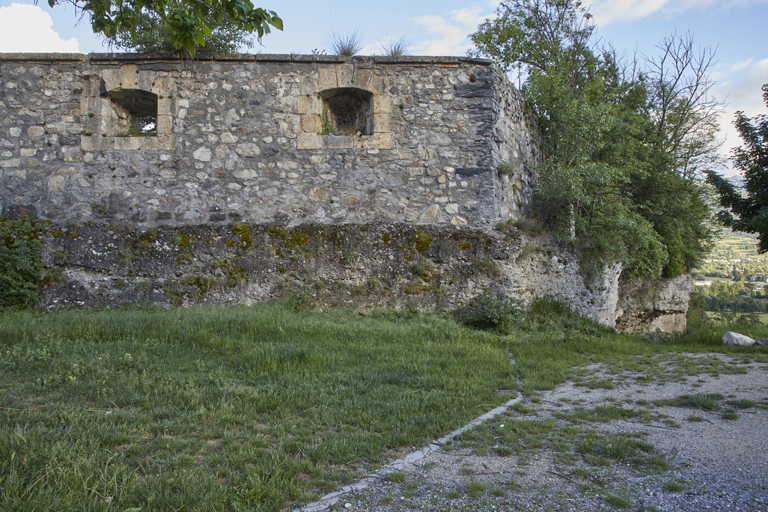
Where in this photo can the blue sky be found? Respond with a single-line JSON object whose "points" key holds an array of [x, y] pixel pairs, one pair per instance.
{"points": [[737, 28]]}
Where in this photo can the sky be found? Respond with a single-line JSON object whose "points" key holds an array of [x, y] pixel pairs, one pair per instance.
{"points": [[734, 29]]}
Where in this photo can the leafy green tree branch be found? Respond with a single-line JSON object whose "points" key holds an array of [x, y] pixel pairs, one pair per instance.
{"points": [[188, 21]]}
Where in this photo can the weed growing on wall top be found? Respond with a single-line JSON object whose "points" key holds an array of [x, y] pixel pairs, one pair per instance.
{"points": [[399, 48], [346, 44]]}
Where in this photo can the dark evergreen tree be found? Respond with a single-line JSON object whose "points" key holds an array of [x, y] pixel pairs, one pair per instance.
{"points": [[748, 212]]}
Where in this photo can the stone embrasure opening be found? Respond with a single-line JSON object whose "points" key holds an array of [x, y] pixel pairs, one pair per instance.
{"points": [[133, 113], [347, 111]]}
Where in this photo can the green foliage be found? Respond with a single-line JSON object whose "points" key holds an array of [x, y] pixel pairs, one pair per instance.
{"points": [[491, 312], [623, 149], [153, 35], [506, 168], [20, 262], [751, 210], [187, 20]]}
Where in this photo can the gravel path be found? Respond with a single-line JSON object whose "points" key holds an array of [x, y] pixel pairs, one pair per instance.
{"points": [[715, 463]]}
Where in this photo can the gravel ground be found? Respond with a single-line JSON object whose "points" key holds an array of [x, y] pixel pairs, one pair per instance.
{"points": [[714, 463]]}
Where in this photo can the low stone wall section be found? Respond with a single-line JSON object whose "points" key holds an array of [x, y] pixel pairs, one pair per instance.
{"points": [[380, 265]]}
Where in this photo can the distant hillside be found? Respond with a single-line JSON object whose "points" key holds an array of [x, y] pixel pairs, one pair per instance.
{"points": [[735, 251]]}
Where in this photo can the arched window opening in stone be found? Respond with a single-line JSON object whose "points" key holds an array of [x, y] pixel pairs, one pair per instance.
{"points": [[133, 113], [347, 111]]}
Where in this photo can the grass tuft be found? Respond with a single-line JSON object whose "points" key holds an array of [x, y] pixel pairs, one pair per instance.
{"points": [[618, 501], [346, 44], [473, 488], [398, 48], [673, 487]]}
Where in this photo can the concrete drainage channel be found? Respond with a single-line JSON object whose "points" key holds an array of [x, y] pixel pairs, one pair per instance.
{"points": [[331, 499]]}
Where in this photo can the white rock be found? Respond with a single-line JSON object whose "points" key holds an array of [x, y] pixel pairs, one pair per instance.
{"points": [[248, 149], [203, 154], [734, 338]]}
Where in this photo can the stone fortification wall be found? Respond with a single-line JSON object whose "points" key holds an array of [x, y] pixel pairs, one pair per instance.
{"points": [[257, 138], [380, 265], [369, 181]]}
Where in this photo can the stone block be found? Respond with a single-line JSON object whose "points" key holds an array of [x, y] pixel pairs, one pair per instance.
{"points": [[345, 75], [361, 78], [326, 78], [381, 123], [56, 183], [35, 131], [112, 79], [379, 85], [382, 104], [13, 162], [309, 105], [128, 76], [311, 123], [164, 124], [146, 80], [341, 141], [126, 143], [166, 142], [309, 141], [309, 84], [165, 106], [248, 150], [318, 194], [432, 215], [148, 143], [228, 138], [164, 86], [379, 141]]}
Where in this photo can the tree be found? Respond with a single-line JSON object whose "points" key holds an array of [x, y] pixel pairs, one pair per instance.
{"points": [[623, 144], [154, 36], [187, 20], [685, 114], [751, 209]]}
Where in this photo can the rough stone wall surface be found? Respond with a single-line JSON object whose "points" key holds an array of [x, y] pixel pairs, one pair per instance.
{"points": [[241, 139], [242, 142], [515, 145], [546, 268], [650, 306], [380, 265]]}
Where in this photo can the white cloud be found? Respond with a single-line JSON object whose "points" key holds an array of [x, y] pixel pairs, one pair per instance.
{"points": [[28, 28], [613, 11], [452, 32], [739, 85]]}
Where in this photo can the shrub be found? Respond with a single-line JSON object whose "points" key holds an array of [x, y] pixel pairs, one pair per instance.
{"points": [[491, 312], [20, 262], [506, 168], [346, 44]]}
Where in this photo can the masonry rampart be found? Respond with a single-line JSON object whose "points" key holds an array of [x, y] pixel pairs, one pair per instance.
{"points": [[238, 178], [257, 138]]}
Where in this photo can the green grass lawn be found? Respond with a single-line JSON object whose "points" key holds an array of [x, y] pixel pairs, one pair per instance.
{"points": [[224, 408], [261, 407]]}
